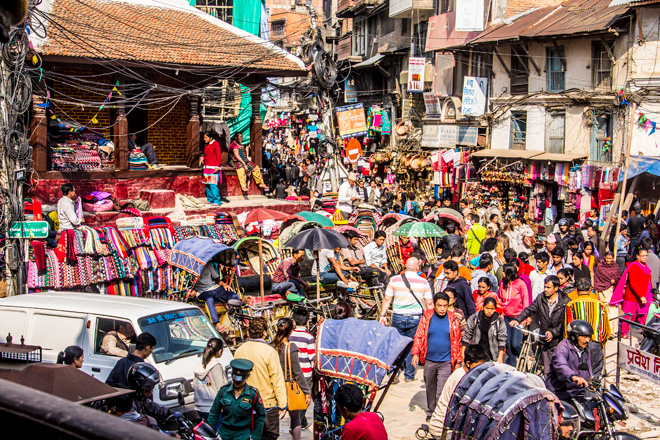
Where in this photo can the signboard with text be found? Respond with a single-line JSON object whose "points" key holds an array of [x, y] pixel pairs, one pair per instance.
{"points": [[433, 104], [469, 15], [640, 363], [29, 230], [351, 121], [474, 96], [448, 135], [416, 68], [350, 91]]}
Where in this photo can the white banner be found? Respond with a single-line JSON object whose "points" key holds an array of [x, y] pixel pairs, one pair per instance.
{"points": [[469, 15], [640, 363], [416, 67], [474, 96]]}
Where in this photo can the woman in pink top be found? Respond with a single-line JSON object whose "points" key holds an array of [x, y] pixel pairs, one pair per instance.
{"points": [[514, 298]]}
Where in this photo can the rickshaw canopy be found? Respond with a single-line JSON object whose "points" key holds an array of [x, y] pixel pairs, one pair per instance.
{"points": [[192, 254]]}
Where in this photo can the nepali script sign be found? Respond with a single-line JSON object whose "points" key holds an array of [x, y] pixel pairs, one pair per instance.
{"points": [[640, 363], [351, 120]]}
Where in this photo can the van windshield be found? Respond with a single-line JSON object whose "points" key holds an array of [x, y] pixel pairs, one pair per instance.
{"points": [[178, 333]]}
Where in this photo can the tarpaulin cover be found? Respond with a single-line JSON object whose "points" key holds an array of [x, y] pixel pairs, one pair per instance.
{"points": [[192, 254], [642, 164], [497, 402], [358, 350]]}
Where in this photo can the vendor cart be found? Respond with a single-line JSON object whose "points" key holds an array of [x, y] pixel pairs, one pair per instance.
{"points": [[361, 352]]}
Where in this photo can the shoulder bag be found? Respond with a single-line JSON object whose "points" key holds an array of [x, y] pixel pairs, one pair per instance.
{"points": [[294, 395], [407, 283]]}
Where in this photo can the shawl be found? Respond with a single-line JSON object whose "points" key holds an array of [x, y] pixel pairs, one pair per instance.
{"points": [[619, 291], [604, 274]]}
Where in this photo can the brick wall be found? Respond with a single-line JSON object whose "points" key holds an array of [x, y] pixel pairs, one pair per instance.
{"points": [[81, 113], [167, 131], [515, 7]]}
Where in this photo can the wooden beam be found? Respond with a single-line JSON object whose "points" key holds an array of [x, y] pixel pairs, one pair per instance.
{"points": [[522, 61], [608, 47], [499, 57], [559, 54], [531, 60]]}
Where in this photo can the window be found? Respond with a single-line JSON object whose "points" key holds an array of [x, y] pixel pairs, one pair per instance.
{"points": [[360, 37], [554, 131], [221, 9], [519, 75], [518, 130], [446, 6], [601, 66], [555, 69], [461, 67], [405, 27], [279, 28], [387, 24], [601, 138], [105, 326], [419, 38]]}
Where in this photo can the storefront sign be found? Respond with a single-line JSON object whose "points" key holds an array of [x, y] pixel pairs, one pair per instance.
{"points": [[351, 121], [29, 230], [416, 67], [640, 363], [433, 105], [448, 135], [350, 91], [474, 96], [469, 15]]}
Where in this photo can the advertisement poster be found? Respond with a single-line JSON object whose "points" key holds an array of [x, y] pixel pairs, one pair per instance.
{"points": [[350, 91], [351, 121], [416, 67], [469, 15], [433, 104], [474, 96]]}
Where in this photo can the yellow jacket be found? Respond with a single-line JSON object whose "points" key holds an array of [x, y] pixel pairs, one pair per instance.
{"points": [[267, 375]]}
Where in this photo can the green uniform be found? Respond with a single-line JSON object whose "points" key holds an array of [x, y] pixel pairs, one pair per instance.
{"points": [[243, 418]]}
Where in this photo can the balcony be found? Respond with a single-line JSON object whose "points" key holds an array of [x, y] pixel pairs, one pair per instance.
{"points": [[344, 7], [405, 8]]}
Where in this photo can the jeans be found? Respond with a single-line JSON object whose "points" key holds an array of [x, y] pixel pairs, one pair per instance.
{"points": [[288, 286], [513, 342], [406, 325], [331, 277], [213, 194], [218, 294], [621, 261], [435, 377]]}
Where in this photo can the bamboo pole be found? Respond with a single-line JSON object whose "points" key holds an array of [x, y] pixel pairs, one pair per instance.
{"points": [[625, 179]]}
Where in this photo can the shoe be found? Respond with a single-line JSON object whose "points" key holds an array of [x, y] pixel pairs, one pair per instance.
{"points": [[305, 426], [224, 199], [410, 380], [428, 419]]}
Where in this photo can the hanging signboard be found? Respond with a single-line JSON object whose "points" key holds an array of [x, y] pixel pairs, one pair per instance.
{"points": [[353, 150], [639, 363], [351, 121], [416, 67], [433, 105], [29, 230], [350, 91], [474, 96], [448, 135], [469, 15]]}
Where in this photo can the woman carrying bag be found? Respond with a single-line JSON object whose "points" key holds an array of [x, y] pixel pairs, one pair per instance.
{"points": [[210, 376], [299, 395]]}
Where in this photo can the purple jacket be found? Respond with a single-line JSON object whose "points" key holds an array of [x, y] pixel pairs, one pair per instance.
{"points": [[565, 362]]}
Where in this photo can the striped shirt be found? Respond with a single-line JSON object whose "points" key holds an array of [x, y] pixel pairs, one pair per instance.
{"points": [[307, 346], [403, 302]]}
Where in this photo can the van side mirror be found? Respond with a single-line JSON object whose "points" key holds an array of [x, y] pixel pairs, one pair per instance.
{"points": [[181, 399]]}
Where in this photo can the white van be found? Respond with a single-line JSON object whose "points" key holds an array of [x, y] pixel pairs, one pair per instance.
{"points": [[59, 319]]}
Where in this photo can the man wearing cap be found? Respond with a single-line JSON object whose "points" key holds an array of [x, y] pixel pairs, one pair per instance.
{"points": [[240, 405], [346, 195]]}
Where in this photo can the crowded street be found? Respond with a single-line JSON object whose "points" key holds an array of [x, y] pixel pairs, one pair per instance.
{"points": [[348, 220]]}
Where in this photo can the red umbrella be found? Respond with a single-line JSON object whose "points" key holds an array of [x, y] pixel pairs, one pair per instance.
{"points": [[263, 214]]}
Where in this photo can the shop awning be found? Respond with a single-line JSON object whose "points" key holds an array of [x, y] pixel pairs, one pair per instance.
{"points": [[556, 157], [642, 164], [370, 62], [509, 154]]}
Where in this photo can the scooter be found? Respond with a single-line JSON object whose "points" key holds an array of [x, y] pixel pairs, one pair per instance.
{"points": [[651, 341], [597, 412]]}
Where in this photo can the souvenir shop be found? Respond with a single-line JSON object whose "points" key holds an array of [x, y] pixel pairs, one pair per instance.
{"points": [[79, 151], [129, 260]]}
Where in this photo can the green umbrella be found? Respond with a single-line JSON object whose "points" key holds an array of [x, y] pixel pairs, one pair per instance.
{"points": [[420, 230], [318, 218]]}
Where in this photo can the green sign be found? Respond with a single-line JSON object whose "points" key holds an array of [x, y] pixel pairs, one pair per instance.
{"points": [[29, 230]]}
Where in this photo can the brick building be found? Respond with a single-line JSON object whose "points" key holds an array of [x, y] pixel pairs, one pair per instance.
{"points": [[117, 68]]}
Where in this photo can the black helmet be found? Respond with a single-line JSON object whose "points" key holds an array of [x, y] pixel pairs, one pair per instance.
{"points": [[577, 328], [143, 377], [564, 222]]}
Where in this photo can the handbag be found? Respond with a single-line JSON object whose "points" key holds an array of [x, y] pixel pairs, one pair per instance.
{"points": [[294, 394]]}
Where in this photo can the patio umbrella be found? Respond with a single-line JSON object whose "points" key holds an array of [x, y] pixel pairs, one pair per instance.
{"points": [[419, 230], [318, 218], [315, 240], [260, 215]]}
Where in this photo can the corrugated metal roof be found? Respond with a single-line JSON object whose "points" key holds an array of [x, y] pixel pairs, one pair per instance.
{"points": [[571, 17]]}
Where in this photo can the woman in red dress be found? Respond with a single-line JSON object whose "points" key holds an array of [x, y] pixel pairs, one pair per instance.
{"points": [[212, 175], [633, 292]]}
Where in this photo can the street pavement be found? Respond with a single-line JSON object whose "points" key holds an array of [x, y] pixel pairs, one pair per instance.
{"points": [[404, 406]]}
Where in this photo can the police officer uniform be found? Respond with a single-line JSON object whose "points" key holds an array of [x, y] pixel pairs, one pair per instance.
{"points": [[243, 417]]}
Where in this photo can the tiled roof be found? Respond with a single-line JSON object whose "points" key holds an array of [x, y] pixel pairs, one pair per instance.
{"points": [[156, 31]]}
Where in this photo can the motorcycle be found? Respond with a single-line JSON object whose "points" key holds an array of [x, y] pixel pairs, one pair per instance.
{"points": [[182, 427], [593, 416], [651, 341]]}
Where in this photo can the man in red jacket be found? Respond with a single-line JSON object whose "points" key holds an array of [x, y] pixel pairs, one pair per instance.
{"points": [[437, 346]]}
